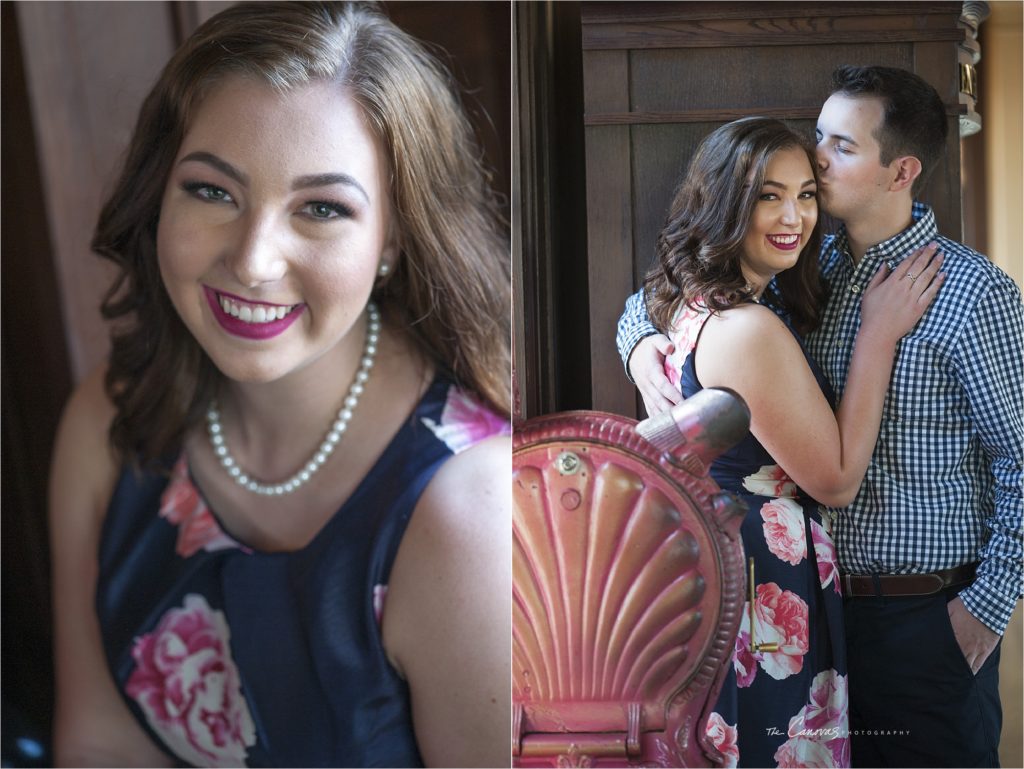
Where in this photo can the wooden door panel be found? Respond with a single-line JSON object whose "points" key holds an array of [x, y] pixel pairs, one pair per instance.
{"points": [[610, 260], [659, 161], [609, 217], [748, 78]]}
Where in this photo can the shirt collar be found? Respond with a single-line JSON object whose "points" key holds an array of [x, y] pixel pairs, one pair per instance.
{"points": [[922, 230]]}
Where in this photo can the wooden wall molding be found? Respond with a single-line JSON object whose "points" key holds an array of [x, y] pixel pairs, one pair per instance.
{"points": [[714, 25], [719, 116], [646, 11], [770, 32], [549, 243]]}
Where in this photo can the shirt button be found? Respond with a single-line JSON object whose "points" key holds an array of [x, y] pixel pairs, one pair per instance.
{"points": [[854, 288]]}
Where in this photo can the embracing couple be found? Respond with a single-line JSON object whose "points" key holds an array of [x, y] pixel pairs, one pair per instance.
{"points": [[882, 471]]}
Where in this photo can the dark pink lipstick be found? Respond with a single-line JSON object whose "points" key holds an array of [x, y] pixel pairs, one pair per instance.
{"points": [[239, 327], [784, 246]]}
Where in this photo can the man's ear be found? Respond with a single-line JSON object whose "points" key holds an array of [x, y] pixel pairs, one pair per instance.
{"points": [[907, 169]]}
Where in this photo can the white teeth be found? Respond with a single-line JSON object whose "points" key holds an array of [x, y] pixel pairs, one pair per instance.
{"points": [[260, 313], [784, 239]]}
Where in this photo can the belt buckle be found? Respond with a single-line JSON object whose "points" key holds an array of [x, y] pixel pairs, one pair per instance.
{"points": [[847, 582]]}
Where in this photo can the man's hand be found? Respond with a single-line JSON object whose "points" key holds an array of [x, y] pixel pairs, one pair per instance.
{"points": [[647, 367], [975, 639]]}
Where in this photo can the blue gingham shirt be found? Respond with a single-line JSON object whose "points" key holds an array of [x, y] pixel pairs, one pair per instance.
{"points": [[943, 487]]}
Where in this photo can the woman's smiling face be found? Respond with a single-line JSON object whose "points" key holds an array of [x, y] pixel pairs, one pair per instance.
{"points": [[783, 218], [273, 224]]}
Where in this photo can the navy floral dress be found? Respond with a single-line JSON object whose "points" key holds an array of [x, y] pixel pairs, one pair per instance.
{"points": [[229, 656], [784, 705]]}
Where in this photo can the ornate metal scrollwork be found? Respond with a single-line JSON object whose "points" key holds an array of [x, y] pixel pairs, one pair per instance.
{"points": [[969, 53]]}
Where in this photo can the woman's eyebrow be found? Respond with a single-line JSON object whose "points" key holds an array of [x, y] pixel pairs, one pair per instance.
{"points": [[220, 164], [302, 182], [780, 185], [325, 180]]}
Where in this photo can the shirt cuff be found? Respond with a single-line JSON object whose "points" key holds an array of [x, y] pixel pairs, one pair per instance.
{"points": [[989, 604], [631, 340]]}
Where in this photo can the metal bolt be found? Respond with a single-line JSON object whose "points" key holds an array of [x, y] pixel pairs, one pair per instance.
{"points": [[568, 463]]}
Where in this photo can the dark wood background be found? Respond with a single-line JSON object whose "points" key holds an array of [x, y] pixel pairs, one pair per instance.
{"points": [[74, 75], [619, 103]]}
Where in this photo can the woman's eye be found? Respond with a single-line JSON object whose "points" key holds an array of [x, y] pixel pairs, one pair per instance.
{"points": [[208, 192], [323, 210], [809, 194], [768, 196], [841, 149]]}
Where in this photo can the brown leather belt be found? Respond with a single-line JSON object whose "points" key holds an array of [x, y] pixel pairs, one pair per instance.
{"points": [[906, 584]]}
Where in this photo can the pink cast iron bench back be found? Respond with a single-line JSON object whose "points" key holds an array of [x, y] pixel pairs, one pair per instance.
{"points": [[628, 584]]}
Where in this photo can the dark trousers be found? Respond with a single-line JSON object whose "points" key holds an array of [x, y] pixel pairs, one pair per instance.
{"points": [[913, 699]]}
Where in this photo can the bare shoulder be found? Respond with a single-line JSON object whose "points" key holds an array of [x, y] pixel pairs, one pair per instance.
{"points": [[469, 480], [447, 619], [84, 463], [749, 334], [89, 409], [750, 343], [746, 324], [462, 520], [92, 725]]}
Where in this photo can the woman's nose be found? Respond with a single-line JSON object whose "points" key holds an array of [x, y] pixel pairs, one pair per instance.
{"points": [[790, 212], [256, 255]]}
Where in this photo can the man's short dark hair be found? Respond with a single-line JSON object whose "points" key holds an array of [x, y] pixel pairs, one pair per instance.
{"points": [[914, 120]]}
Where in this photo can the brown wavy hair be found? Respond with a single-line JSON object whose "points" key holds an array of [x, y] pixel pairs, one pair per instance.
{"points": [[450, 287], [700, 246]]}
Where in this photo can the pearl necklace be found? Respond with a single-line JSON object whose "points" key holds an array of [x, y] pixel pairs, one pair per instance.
{"points": [[325, 449]]}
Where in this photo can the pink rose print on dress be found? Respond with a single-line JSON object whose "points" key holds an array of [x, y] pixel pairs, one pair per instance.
{"points": [[686, 328], [744, 661], [829, 704], [819, 733], [465, 421], [781, 617], [380, 592], [800, 752], [189, 688], [182, 506], [723, 737], [673, 370], [784, 529], [770, 481], [825, 554]]}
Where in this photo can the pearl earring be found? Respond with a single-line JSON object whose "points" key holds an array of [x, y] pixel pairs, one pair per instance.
{"points": [[384, 269]]}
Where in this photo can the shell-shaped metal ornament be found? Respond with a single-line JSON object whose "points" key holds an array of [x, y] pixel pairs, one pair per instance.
{"points": [[616, 584], [624, 579]]}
